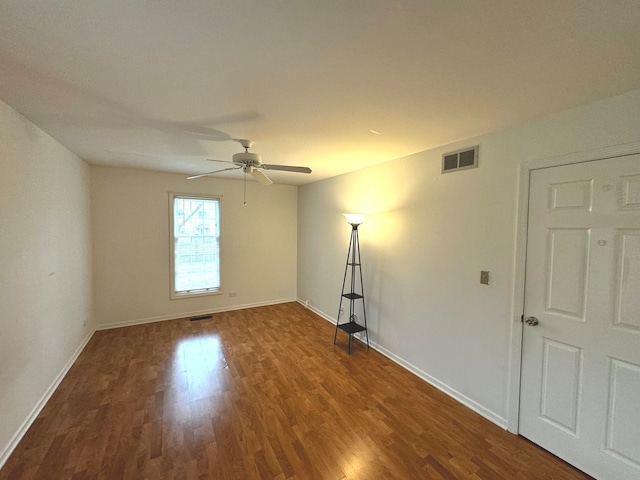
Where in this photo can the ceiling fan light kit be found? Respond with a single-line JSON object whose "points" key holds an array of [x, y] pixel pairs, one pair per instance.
{"points": [[247, 158]]}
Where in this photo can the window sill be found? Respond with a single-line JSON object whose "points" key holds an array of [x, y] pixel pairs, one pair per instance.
{"points": [[178, 296]]}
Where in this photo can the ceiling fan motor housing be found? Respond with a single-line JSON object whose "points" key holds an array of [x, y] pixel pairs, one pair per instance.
{"points": [[247, 158]]}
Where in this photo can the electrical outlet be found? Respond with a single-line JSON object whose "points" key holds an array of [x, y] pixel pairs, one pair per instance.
{"points": [[484, 277]]}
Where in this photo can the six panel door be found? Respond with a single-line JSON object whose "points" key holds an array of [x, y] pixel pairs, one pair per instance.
{"points": [[580, 385]]}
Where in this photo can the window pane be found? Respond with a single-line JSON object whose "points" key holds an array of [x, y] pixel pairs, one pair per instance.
{"points": [[196, 232]]}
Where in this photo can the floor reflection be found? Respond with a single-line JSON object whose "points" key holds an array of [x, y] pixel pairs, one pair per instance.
{"points": [[199, 370]]}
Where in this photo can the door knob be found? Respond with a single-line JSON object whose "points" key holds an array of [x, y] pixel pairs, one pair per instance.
{"points": [[532, 321]]}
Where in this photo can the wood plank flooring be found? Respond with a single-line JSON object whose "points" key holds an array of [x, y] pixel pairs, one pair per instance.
{"points": [[259, 393]]}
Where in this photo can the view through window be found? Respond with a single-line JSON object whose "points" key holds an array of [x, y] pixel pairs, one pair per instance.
{"points": [[196, 245]]}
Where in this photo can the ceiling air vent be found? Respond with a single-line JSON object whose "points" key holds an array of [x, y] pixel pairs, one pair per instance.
{"points": [[460, 159]]}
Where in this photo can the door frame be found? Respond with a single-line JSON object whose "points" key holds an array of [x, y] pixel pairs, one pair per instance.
{"points": [[522, 221]]}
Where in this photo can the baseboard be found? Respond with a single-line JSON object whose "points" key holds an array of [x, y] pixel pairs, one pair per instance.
{"points": [[173, 316], [15, 440], [317, 312], [453, 393]]}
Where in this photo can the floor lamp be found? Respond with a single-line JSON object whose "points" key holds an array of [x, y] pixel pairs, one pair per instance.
{"points": [[349, 290]]}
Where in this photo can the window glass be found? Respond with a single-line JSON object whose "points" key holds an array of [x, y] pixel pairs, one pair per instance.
{"points": [[195, 245]]}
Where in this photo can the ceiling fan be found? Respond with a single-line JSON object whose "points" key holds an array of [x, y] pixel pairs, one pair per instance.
{"points": [[251, 163]]}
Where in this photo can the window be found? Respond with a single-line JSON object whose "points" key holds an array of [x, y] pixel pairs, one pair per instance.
{"points": [[195, 245]]}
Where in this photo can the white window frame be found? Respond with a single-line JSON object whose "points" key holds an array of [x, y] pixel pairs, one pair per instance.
{"points": [[199, 292]]}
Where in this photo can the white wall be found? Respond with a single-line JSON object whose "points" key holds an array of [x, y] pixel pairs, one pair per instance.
{"points": [[428, 236], [45, 268], [130, 210]]}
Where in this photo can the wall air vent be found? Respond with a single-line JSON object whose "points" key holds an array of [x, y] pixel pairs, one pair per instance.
{"points": [[460, 159]]}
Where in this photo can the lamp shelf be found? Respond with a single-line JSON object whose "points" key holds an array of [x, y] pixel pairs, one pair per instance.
{"points": [[352, 296], [351, 327]]}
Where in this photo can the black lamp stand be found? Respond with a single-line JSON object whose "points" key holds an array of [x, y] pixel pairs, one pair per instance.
{"points": [[353, 261]]}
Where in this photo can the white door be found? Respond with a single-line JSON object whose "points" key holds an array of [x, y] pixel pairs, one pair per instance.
{"points": [[580, 385]]}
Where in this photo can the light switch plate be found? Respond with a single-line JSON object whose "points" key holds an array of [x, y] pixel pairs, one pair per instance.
{"points": [[484, 277]]}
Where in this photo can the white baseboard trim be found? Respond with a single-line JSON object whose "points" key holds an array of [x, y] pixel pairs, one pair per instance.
{"points": [[453, 393], [317, 312], [173, 316], [15, 440]]}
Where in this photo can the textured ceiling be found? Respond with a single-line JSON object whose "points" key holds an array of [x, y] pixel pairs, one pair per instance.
{"points": [[164, 85]]}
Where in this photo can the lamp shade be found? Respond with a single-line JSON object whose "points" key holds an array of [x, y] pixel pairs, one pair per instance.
{"points": [[354, 218]]}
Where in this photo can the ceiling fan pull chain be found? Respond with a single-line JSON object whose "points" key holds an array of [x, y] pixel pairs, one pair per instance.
{"points": [[244, 187]]}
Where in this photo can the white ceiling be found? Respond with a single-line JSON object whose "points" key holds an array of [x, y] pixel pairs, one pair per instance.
{"points": [[164, 85]]}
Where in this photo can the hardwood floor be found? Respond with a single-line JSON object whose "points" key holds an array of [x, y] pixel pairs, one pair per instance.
{"points": [[259, 393]]}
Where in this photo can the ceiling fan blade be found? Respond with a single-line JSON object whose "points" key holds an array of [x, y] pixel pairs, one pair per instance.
{"points": [[286, 168], [211, 173], [260, 176]]}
